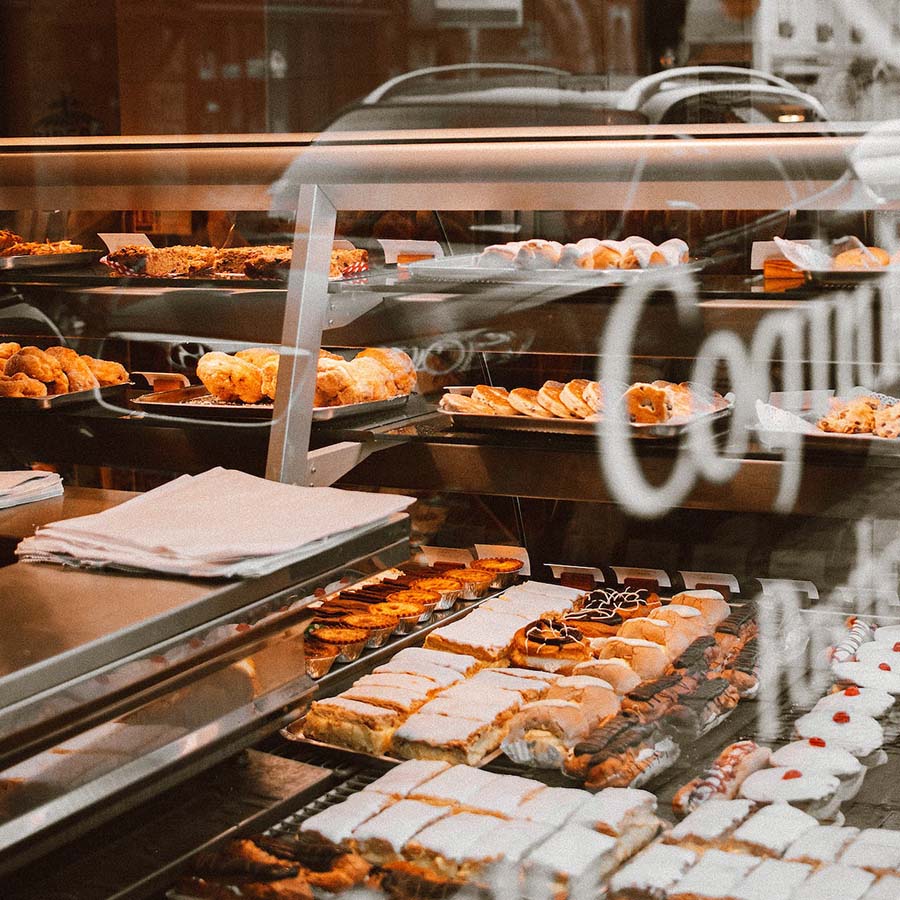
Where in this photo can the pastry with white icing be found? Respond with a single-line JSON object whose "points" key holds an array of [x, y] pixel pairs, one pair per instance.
{"points": [[714, 876], [835, 882], [858, 734], [553, 805], [772, 830], [455, 740], [456, 785], [882, 676], [352, 724], [870, 850], [405, 778], [337, 823], [651, 873], [711, 604], [381, 838], [444, 845], [528, 689], [813, 792], [571, 863], [816, 755], [886, 888], [459, 662], [440, 676], [823, 844], [868, 701], [617, 672], [772, 880], [710, 824]]}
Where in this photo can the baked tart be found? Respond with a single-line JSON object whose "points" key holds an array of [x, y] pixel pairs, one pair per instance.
{"points": [[349, 641], [449, 589], [319, 657], [503, 568], [379, 628], [407, 614], [476, 582]]}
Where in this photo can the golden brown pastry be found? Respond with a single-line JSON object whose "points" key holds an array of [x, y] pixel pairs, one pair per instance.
{"points": [[572, 396], [165, 261], [602, 258], [460, 403], [76, 370], [370, 380], [230, 379], [36, 364], [256, 356], [887, 421], [397, 363], [9, 238], [860, 259], [269, 370], [593, 396], [332, 377], [497, 398], [549, 397], [40, 248], [647, 404], [851, 417], [20, 385], [343, 260], [7, 350], [106, 371], [327, 354], [526, 402]]}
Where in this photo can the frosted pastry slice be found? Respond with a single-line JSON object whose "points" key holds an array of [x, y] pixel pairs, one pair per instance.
{"points": [[405, 778], [504, 796], [714, 876], [440, 676], [444, 844], [530, 674], [337, 823], [414, 683], [380, 838], [808, 790], [350, 723], [652, 872], [613, 811], [856, 733], [835, 883], [886, 888], [557, 591], [457, 740], [713, 821], [403, 701], [772, 880], [489, 705], [457, 785], [484, 635], [553, 805], [572, 862], [815, 755], [882, 676], [820, 845], [772, 830], [878, 857], [459, 662]]}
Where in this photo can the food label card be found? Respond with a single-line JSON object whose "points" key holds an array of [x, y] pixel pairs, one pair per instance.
{"points": [[446, 555], [115, 241]]}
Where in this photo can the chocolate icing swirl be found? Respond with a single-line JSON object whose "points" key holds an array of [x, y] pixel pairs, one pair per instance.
{"points": [[613, 599], [552, 633]]}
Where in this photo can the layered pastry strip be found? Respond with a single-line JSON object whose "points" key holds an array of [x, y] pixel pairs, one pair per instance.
{"points": [[484, 634]]}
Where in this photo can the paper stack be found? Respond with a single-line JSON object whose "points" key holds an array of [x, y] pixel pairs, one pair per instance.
{"points": [[221, 524], [17, 488]]}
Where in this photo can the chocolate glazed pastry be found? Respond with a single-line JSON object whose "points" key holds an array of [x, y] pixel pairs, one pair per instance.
{"points": [[700, 657], [596, 745], [624, 758], [595, 622], [712, 700], [655, 699], [738, 628], [743, 671]]}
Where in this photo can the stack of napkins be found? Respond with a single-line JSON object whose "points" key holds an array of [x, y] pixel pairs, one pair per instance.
{"points": [[221, 524], [27, 487]]}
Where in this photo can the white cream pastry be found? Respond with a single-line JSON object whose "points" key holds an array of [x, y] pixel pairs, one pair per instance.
{"points": [[870, 851], [553, 805], [865, 675], [458, 784], [528, 689], [858, 734], [563, 597], [574, 860], [772, 880], [511, 841], [439, 676], [402, 779], [815, 754], [337, 823], [450, 738], [771, 830], [533, 674], [459, 662], [616, 671], [874, 653], [712, 821], [888, 635], [714, 876], [835, 882], [449, 838], [505, 795], [404, 701], [416, 683], [711, 604], [886, 888], [868, 701], [812, 791], [492, 708], [823, 844], [381, 838], [613, 811], [653, 871]]}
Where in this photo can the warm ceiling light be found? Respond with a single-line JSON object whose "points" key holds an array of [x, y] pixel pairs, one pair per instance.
{"points": [[792, 117]]}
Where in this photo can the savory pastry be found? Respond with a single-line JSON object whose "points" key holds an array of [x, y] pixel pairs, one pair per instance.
{"points": [[723, 779], [862, 258], [573, 398], [813, 792], [269, 371], [525, 401], [7, 350], [850, 417], [229, 378], [551, 645], [9, 239], [549, 397], [77, 371], [400, 366], [497, 398], [105, 371], [36, 364], [647, 405], [20, 385], [164, 261], [887, 422]]}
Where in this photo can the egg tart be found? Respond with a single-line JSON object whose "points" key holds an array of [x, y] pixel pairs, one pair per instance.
{"points": [[476, 582], [448, 588], [319, 657], [349, 641], [407, 614], [503, 568], [379, 627]]}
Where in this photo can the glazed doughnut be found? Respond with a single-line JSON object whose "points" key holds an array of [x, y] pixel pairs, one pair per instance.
{"points": [[36, 364], [106, 371], [572, 396], [860, 258], [497, 398], [549, 397], [526, 402], [20, 385]]}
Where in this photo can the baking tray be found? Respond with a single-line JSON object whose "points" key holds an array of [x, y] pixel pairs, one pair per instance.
{"points": [[465, 268], [848, 276], [58, 401], [49, 261], [197, 403], [576, 426]]}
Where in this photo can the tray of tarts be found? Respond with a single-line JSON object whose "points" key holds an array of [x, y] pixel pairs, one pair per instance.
{"points": [[243, 386], [17, 254], [33, 379], [661, 409]]}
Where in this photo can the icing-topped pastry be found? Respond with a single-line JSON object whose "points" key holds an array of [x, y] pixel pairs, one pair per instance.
{"points": [[888, 634], [556, 592], [351, 723], [553, 805], [620, 676], [383, 836], [672, 637], [613, 811], [856, 733], [713, 821], [807, 789], [882, 676], [711, 604], [886, 888], [416, 684], [492, 708], [872, 855], [511, 841], [459, 662], [835, 882], [337, 823], [875, 652], [714, 876], [649, 660], [687, 618], [486, 635], [595, 622], [816, 755], [458, 740], [531, 674], [526, 606], [652, 872], [823, 844], [596, 695], [550, 644], [503, 796], [772, 830], [440, 676], [573, 860], [868, 701], [449, 838], [772, 880], [626, 602], [527, 688], [406, 777], [406, 701], [458, 784], [542, 733]]}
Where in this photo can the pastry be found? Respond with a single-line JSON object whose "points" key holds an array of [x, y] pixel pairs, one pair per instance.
{"points": [[702, 655], [417, 596], [336, 824], [77, 372], [553, 805], [20, 385], [449, 589], [711, 824], [874, 653], [527, 688], [813, 792], [504, 795], [711, 701], [455, 740], [646, 404], [456, 786], [549, 644], [346, 262], [836, 882], [888, 634], [858, 734], [387, 696], [497, 398], [737, 629], [257, 356], [874, 850], [164, 261], [630, 758], [498, 255], [850, 417], [7, 349], [822, 844], [772, 880], [325, 867], [538, 254], [651, 873], [648, 660], [711, 604], [230, 379], [882, 676], [476, 583], [381, 838], [886, 888], [868, 701], [686, 619], [269, 371], [503, 568], [616, 672], [9, 239], [723, 779], [458, 662], [572, 397], [528, 606], [743, 670], [485, 635], [402, 780], [673, 639], [460, 403], [628, 602], [660, 697], [525, 401], [416, 684], [542, 734], [770, 831], [349, 723], [887, 422], [398, 363], [106, 371], [623, 813], [715, 876], [443, 847], [594, 623], [468, 701], [41, 248], [549, 397], [571, 863], [594, 694], [861, 258], [36, 364]]}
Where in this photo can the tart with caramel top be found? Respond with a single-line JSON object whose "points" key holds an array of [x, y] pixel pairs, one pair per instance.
{"points": [[369, 621], [398, 608], [339, 635], [439, 583], [415, 595], [499, 565], [479, 578]]}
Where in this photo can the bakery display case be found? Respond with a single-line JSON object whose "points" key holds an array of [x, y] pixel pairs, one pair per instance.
{"points": [[629, 402]]}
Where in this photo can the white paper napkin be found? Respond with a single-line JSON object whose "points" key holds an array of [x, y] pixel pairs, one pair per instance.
{"points": [[28, 486]]}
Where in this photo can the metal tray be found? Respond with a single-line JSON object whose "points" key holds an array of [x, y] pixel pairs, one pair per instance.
{"points": [[197, 403], [848, 276], [670, 429], [49, 261], [57, 401], [465, 268]]}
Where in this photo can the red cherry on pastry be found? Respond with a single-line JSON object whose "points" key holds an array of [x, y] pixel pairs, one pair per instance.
{"points": [[884, 667], [791, 774], [852, 692], [896, 647], [817, 742], [841, 718]]}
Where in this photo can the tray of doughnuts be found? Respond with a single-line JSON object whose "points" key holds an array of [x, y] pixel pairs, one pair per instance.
{"points": [[660, 409]]}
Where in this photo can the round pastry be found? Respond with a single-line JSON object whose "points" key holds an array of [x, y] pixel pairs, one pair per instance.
{"points": [[408, 614], [686, 618], [229, 378], [33, 362], [257, 356], [711, 604], [460, 403], [595, 695], [572, 397], [671, 637], [615, 672], [538, 254], [526, 402], [76, 370], [859, 258], [397, 363], [593, 396], [20, 385], [633, 603], [449, 589], [349, 642], [319, 657], [503, 568], [868, 701], [594, 623], [675, 251], [423, 599], [858, 734], [882, 676], [549, 397], [603, 256], [813, 792], [105, 371], [497, 398], [816, 755], [476, 582], [550, 646], [378, 627], [7, 350], [874, 653], [886, 634]]}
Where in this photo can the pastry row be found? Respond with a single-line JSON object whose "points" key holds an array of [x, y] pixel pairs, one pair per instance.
{"points": [[656, 403], [32, 372], [589, 253], [269, 261], [12, 244], [863, 415], [251, 376]]}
